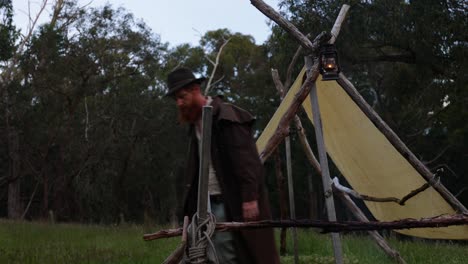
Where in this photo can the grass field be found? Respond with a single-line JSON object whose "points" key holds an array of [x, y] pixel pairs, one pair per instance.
{"points": [[34, 243]]}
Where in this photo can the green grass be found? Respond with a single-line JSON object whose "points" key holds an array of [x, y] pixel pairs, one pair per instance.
{"points": [[34, 243]]}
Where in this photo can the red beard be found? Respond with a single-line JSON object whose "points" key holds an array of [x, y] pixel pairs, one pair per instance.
{"points": [[189, 114]]}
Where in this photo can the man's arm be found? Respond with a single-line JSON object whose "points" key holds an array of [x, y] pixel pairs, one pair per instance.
{"points": [[247, 167]]}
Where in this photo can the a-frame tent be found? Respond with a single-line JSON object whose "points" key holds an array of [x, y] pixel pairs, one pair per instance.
{"points": [[369, 161]]}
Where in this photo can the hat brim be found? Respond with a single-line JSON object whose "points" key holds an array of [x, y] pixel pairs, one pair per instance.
{"points": [[181, 85]]}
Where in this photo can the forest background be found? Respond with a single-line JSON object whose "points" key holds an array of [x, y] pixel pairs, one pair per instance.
{"points": [[86, 134]]}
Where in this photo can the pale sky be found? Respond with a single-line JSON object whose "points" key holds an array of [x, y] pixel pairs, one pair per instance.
{"points": [[178, 21]]}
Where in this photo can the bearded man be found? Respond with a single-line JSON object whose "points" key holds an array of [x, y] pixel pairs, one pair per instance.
{"points": [[236, 177]]}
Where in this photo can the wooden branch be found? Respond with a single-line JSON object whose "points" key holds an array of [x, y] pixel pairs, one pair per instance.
{"points": [[398, 144], [278, 84], [357, 195], [282, 131], [306, 146], [300, 130], [293, 62], [414, 193], [343, 189], [339, 20], [179, 252], [326, 226], [177, 255], [374, 234], [283, 23]]}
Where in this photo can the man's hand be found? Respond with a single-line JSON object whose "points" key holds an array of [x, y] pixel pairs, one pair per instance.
{"points": [[250, 210]]}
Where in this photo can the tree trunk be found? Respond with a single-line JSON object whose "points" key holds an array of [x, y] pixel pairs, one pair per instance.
{"points": [[14, 186]]}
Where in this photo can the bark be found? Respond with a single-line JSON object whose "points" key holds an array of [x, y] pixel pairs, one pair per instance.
{"points": [[326, 226]]}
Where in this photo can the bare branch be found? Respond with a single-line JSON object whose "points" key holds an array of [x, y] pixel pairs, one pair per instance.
{"points": [[208, 85], [293, 62], [278, 84], [217, 81], [402, 201], [306, 146]]}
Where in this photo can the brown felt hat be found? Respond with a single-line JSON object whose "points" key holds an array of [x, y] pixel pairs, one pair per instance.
{"points": [[179, 78]]}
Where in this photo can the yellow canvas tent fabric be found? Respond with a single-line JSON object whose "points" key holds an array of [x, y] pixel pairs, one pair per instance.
{"points": [[369, 162]]}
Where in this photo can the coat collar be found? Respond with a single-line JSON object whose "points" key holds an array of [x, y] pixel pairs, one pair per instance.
{"points": [[228, 112]]}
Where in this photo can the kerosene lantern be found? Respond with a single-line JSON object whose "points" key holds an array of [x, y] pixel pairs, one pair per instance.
{"points": [[329, 67]]}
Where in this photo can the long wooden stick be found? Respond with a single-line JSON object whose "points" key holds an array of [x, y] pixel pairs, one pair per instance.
{"points": [[292, 207], [339, 20], [398, 144], [283, 23], [326, 180], [327, 227], [374, 234]]}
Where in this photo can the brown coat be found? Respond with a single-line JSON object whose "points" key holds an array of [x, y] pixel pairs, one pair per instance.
{"points": [[240, 175]]}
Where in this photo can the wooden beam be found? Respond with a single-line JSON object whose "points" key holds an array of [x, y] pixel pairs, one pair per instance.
{"points": [[326, 226], [322, 152]]}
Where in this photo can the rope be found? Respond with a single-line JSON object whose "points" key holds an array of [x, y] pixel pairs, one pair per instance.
{"points": [[197, 253]]}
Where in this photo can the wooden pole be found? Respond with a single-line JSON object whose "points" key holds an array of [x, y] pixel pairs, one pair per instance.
{"points": [[205, 159], [292, 206], [330, 204], [399, 145], [374, 234], [280, 182]]}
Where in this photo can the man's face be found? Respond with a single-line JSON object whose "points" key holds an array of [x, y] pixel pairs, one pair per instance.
{"points": [[188, 105]]}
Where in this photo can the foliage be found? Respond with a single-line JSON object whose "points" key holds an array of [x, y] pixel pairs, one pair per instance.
{"points": [[7, 30]]}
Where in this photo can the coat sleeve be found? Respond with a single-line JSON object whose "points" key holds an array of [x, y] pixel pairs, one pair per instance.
{"points": [[244, 158]]}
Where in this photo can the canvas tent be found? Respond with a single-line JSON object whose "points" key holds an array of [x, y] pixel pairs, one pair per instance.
{"points": [[368, 161]]}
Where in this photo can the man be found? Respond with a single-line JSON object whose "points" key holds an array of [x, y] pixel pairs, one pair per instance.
{"points": [[235, 174]]}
